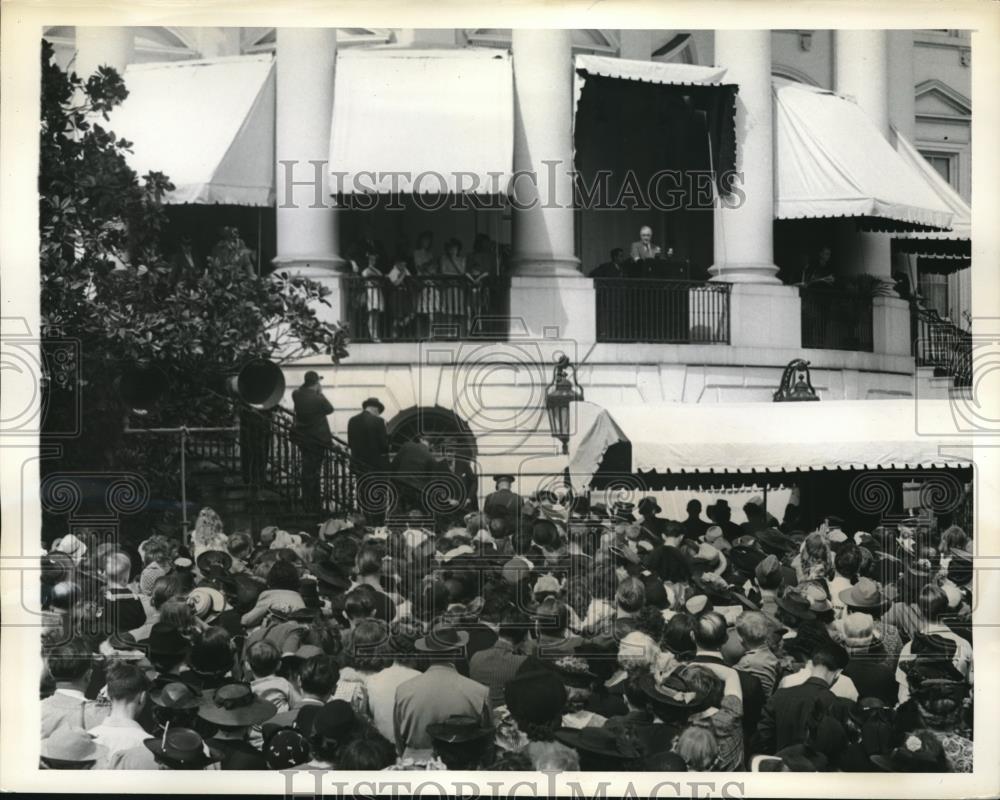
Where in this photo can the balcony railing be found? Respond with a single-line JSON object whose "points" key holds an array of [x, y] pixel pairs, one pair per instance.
{"points": [[941, 344], [452, 306], [836, 320], [661, 311]]}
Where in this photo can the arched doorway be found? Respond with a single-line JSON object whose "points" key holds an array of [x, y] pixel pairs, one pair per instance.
{"points": [[450, 439]]}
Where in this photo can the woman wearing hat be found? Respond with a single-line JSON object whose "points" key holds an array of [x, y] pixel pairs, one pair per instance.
{"points": [[940, 703], [71, 748], [210, 660], [534, 703], [232, 710], [183, 749]]}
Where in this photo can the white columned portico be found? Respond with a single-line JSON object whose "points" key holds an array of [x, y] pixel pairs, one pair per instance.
{"points": [[902, 84], [744, 235], [763, 312], [307, 234], [548, 291], [97, 47], [861, 72]]}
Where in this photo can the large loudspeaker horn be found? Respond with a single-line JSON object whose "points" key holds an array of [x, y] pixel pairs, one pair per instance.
{"points": [[141, 386], [259, 383]]}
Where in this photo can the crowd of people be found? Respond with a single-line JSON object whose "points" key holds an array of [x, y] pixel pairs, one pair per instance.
{"points": [[525, 636]]}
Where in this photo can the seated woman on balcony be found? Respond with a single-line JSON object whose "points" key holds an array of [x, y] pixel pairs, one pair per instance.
{"points": [[453, 296], [428, 300]]}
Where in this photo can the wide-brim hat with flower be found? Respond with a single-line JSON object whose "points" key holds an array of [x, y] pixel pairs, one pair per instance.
{"points": [[574, 671], [672, 691], [912, 756], [236, 705]]}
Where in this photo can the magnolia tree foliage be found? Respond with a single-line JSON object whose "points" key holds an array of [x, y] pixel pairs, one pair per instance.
{"points": [[106, 282]]}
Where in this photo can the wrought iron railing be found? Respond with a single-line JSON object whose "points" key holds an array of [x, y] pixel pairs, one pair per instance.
{"points": [[836, 320], [263, 451], [661, 311], [440, 306], [941, 344]]}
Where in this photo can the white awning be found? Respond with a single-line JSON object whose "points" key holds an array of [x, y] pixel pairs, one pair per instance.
{"points": [[207, 125], [645, 71], [775, 437], [961, 223], [443, 119], [831, 160]]}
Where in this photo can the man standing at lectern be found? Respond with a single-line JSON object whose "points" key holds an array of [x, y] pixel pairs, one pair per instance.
{"points": [[644, 249]]}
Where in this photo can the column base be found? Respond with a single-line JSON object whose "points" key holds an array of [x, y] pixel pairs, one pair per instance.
{"points": [[745, 273], [765, 316], [544, 266], [891, 326], [552, 307]]}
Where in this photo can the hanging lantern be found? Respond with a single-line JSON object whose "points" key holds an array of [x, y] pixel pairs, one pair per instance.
{"points": [[561, 392]]}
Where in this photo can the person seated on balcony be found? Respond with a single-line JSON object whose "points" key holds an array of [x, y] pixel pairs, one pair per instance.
{"points": [[615, 268], [427, 302], [643, 252], [452, 296]]}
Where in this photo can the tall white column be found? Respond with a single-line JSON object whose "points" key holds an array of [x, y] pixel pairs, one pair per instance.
{"points": [[97, 47], [744, 235], [542, 217], [307, 241], [902, 100], [861, 72]]}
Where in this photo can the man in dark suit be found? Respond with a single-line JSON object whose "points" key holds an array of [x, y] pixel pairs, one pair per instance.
{"points": [[412, 468], [613, 268], [369, 442], [788, 712], [312, 433], [504, 503]]}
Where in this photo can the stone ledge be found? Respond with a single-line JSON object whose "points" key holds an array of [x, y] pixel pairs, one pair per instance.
{"points": [[411, 353]]}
